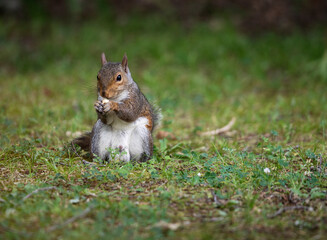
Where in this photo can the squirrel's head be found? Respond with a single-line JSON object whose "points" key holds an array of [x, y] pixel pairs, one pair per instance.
{"points": [[113, 78]]}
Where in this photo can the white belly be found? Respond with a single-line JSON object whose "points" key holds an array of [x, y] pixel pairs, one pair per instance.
{"points": [[122, 140]]}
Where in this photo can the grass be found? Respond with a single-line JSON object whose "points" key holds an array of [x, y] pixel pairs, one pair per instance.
{"points": [[194, 187]]}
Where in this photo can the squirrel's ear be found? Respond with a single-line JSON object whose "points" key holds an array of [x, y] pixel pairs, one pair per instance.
{"points": [[103, 59], [124, 63]]}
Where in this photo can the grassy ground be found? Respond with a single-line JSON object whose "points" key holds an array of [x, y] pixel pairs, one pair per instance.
{"points": [[194, 187]]}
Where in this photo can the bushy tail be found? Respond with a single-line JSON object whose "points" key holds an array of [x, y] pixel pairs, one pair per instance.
{"points": [[83, 141], [157, 116]]}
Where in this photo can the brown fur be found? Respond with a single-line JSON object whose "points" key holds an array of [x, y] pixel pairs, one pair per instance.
{"points": [[128, 109], [108, 86]]}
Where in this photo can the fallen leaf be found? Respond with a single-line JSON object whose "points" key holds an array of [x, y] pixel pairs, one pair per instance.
{"points": [[164, 134]]}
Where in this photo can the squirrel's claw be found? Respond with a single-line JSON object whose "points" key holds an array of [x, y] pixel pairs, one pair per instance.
{"points": [[98, 106], [107, 107], [102, 108]]}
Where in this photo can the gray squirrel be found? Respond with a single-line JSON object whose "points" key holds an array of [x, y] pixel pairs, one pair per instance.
{"points": [[126, 119]]}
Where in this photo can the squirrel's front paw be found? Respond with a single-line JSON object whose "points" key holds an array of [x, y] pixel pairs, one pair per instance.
{"points": [[98, 105], [107, 107]]}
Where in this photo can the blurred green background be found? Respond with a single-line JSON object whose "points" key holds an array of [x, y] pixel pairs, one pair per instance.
{"points": [[203, 62]]}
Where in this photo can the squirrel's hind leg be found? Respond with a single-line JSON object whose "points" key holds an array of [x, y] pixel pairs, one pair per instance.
{"points": [[147, 149], [141, 144]]}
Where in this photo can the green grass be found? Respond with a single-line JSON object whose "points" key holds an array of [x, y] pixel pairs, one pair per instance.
{"points": [[206, 187]]}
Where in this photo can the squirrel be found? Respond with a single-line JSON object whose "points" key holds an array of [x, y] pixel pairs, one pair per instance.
{"points": [[126, 119]]}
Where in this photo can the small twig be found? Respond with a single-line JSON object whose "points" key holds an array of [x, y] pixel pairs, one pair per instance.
{"points": [[75, 151], [70, 220], [284, 209], [93, 164], [38, 190], [219, 130], [83, 161], [215, 198], [88, 163], [63, 164]]}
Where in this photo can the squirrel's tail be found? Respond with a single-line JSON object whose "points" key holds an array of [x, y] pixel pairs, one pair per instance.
{"points": [[83, 141], [157, 116]]}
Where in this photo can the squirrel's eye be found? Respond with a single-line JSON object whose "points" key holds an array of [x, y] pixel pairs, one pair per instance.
{"points": [[98, 78], [118, 77]]}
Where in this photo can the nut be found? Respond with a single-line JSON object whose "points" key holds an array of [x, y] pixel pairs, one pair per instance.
{"points": [[105, 101]]}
